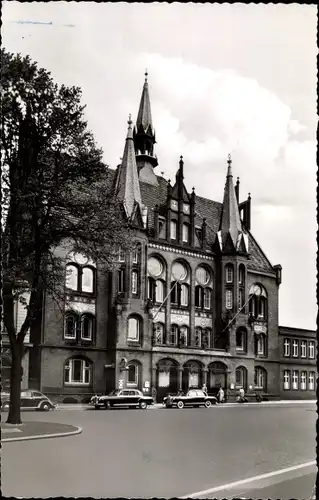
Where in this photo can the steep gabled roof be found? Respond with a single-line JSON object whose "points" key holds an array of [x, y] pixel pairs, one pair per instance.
{"points": [[127, 183]]}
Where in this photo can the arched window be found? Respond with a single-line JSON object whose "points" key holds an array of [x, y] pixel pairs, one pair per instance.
{"points": [[203, 275], [70, 325], [229, 273], [87, 280], [77, 371], [198, 337], [260, 378], [241, 339], [183, 335], [184, 295], [159, 333], [172, 337], [258, 302], [72, 277], [87, 327], [207, 298], [159, 291], [134, 327], [261, 344], [241, 377], [185, 233], [206, 338], [241, 275], [132, 374]]}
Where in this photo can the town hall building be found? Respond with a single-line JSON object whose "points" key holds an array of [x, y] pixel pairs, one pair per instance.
{"points": [[194, 303]]}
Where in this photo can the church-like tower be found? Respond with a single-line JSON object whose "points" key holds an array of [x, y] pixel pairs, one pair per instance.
{"points": [[144, 139]]}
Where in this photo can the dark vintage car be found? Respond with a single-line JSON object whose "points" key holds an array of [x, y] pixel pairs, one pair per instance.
{"points": [[194, 397], [30, 400], [131, 398]]}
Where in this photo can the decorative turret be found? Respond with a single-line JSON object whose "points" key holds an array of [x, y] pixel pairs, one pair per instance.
{"points": [[127, 184], [144, 139], [230, 236]]}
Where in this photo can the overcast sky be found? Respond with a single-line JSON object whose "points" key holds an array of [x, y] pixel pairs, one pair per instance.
{"points": [[223, 79]]}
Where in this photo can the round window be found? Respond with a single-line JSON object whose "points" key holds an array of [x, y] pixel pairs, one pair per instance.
{"points": [[202, 275], [179, 271], [154, 266]]}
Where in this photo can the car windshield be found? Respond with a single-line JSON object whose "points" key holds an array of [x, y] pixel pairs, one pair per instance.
{"points": [[114, 393]]}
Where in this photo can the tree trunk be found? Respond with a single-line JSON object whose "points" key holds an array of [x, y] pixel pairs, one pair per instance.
{"points": [[14, 416]]}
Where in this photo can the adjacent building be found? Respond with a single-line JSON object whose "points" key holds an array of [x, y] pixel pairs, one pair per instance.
{"points": [[195, 303]]}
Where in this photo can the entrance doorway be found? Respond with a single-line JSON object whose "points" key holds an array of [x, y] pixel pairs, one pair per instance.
{"points": [[166, 378], [217, 377]]}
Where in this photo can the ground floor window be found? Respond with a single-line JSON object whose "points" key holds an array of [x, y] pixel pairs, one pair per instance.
{"points": [[193, 380], [311, 381], [286, 380], [295, 380], [241, 377], [303, 381], [163, 379], [77, 371]]}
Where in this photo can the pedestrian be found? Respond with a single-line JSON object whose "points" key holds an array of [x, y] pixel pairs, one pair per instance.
{"points": [[204, 388], [241, 395], [154, 393], [220, 395]]}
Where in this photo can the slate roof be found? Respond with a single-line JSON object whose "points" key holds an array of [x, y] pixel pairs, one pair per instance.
{"points": [[211, 210]]}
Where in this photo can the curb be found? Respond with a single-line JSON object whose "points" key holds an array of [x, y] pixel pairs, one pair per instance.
{"points": [[78, 430]]}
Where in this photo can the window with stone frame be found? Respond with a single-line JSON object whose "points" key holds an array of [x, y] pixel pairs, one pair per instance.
{"points": [[184, 295], [184, 335], [295, 348], [287, 348], [260, 379], [159, 291], [159, 333], [286, 380], [311, 349], [121, 280], [241, 339], [241, 377], [173, 335], [303, 380], [207, 302], [132, 374], [77, 371], [229, 273], [229, 299], [87, 325], [261, 345], [134, 329], [311, 381], [173, 229], [185, 233], [135, 282], [303, 348], [71, 322], [295, 380], [198, 336]]}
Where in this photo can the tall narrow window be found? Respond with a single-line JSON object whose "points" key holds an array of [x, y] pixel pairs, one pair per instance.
{"points": [[311, 349], [241, 339], [295, 380], [295, 346], [287, 347], [229, 273], [132, 374], [133, 329], [159, 291], [134, 282], [261, 345], [70, 327], [120, 281], [198, 296], [173, 229], [86, 327], [72, 276], [185, 233], [262, 307], [286, 380], [241, 275], [174, 293], [87, 280], [229, 299], [136, 254], [184, 295], [183, 335], [241, 298], [260, 378], [198, 337], [303, 349], [311, 381], [303, 381], [159, 333], [172, 337], [207, 298]]}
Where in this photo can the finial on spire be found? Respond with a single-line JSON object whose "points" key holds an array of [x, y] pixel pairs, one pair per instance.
{"points": [[130, 120], [229, 161], [146, 75]]}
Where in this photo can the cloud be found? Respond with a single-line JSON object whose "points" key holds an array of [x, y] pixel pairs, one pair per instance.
{"points": [[49, 23]]}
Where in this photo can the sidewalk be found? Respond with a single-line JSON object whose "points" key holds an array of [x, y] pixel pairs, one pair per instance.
{"points": [[225, 405], [36, 430]]}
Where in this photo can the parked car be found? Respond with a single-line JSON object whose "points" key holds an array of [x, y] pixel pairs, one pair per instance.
{"points": [[131, 398], [30, 400], [194, 397]]}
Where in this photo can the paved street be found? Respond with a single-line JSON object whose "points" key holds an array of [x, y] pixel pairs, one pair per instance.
{"points": [[164, 453]]}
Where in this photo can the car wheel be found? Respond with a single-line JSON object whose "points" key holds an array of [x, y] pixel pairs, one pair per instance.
{"points": [[180, 405], [45, 407], [5, 406], [142, 405], [208, 404], [107, 405]]}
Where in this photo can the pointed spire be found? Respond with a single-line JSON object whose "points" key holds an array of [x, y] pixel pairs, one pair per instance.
{"points": [[144, 117], [127, 183], [230, 223]]}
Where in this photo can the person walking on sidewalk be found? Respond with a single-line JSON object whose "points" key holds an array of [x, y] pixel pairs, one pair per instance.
{"points": [[220, 395]]}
